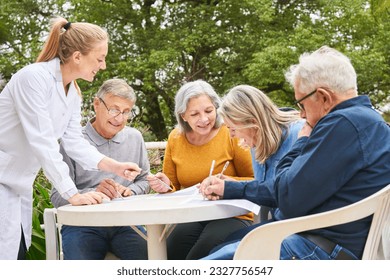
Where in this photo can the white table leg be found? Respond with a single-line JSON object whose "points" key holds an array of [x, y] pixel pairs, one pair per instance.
{"points": [[157, 250]]}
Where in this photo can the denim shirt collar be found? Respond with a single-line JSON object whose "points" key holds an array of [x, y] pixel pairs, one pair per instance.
{"points": [[361, 100]]}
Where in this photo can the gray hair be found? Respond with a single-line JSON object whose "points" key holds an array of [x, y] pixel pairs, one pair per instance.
{"points": [[186, 93], [248, 107], [325, 67], [117, 87]]}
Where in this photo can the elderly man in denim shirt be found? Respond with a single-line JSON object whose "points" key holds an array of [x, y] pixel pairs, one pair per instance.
{"points": [[342, 156]]}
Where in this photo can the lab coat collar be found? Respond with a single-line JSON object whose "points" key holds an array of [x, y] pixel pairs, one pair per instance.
{"points": [[55, 70]]}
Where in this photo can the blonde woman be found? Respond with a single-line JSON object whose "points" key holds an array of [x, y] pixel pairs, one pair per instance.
{"points": [[268, 130], [39, 107]]}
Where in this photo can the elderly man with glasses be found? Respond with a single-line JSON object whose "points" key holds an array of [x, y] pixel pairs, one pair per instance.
{"points": [[342, 155], [108, 132]]}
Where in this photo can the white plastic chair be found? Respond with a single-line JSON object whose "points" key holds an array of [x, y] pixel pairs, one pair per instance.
{"points": [[264, 242], [53, 236]]}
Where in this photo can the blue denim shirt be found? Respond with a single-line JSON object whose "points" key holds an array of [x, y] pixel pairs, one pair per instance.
{"points": [[261, 190], [345, 159]]}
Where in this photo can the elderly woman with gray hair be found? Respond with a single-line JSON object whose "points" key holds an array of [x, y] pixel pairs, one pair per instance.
{"points": [[199, 138]]}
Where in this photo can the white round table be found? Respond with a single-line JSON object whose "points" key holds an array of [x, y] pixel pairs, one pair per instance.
{"points": [[156, 212]]}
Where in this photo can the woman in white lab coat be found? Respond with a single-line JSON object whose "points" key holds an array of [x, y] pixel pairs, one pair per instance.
{"points": [[38, 107]]}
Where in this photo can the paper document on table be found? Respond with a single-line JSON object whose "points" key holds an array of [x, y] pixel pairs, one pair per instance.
{"points": [[196, 197], [242, 203], [187, 191]]}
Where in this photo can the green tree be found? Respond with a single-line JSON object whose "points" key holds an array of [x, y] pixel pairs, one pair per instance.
{"points": [[158, 45]]}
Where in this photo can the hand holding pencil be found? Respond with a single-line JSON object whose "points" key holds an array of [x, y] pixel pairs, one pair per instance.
{"points": [[113, 189], [159, 182], [213, 187]]}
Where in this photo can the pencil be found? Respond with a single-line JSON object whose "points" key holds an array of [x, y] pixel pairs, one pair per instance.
{"points": [[223, 169], [117, 191], [162, 182], [120, 195], [211, 170]]}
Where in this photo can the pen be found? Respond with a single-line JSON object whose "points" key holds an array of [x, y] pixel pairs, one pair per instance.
{"points": [[117, 191], [223, 169], [211, 170], [120, 195]]}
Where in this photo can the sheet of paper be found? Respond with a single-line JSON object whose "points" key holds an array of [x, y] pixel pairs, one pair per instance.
{"points": [[241, 203], [193, 190], [187, 191], [193, 195]]}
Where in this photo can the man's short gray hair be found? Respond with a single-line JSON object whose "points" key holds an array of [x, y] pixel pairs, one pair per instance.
{"points": [[325, 67], [117, 87]]}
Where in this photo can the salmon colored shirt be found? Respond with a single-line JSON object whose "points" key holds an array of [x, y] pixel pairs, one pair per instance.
{"points": [[186, 164]]}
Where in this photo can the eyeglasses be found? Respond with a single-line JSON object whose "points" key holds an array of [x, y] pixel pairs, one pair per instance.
{"points": [[116, 112], [298, 102]]}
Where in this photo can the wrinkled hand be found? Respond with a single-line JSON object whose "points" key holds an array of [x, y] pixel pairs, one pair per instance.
{"points": [[87, 198], [212, 189], [111, 188], [124, 191], [226, 178], [127, 170], [156, 184]]}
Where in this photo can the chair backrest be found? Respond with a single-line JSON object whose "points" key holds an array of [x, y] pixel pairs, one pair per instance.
{"points": [[264, 242]]}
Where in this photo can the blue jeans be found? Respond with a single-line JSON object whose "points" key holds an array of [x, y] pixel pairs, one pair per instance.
{"points": [[294, 247], [93, 243], [192, 241]]}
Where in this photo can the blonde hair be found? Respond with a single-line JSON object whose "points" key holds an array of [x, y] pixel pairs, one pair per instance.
{"points": [[78, 36], [249, 107]]}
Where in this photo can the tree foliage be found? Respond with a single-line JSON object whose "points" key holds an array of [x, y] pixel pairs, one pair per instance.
{"points": [[158, 45]]}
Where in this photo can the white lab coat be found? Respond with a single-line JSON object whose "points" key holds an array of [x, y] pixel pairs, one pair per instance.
{"points": [[35, 113]]}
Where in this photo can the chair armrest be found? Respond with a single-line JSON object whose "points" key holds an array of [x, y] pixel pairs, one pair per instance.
{"points": [[265, 241]]}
